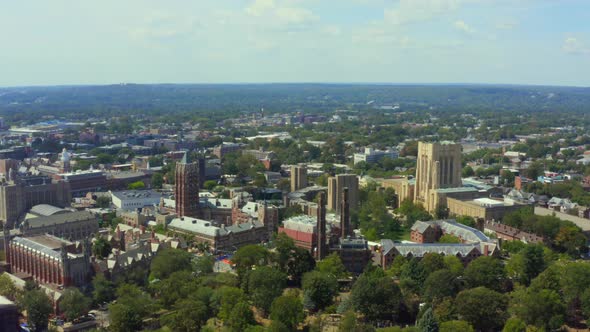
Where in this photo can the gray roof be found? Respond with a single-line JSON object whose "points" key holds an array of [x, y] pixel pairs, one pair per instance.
{"points": [[46, 210], [464, 232], [60, 219], [240, 227], [200, 226], [37, 247], [194, 225], [386, 245], [447, 249], [457, 190], [420, 226]]}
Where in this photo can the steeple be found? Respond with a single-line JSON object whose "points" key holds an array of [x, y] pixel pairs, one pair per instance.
{"points": [[185, 158]]}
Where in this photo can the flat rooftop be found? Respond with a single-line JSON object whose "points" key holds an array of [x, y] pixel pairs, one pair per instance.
{"points": [[48, 241]]}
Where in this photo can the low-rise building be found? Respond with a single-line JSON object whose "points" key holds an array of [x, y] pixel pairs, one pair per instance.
{"points": [[371, 155], [424, 233], [135, 199], [509, 233], [482, 208]]}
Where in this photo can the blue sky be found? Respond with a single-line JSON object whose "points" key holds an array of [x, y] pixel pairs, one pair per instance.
{"points": [[227, 41]]}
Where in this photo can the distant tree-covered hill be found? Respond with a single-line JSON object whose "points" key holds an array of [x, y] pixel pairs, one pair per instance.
{"points": [[166, 98]]}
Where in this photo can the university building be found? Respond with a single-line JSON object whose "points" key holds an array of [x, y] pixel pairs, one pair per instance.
{"points": [[438, 186], [49, 260]]}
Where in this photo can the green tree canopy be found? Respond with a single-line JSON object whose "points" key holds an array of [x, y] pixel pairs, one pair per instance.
{"points": [[249, 256], [264, 284], [73, 303], [101, 248], [189, 315], [376, 296], [38, 307], [428, 323], [288, 310], [483, 308], [319, 289], [543, 308], [103, 290], [485, 271], [169, 261], [440, 284], [455, 326], [241, 317], [157, 180], [332, 264], [8, 289]]}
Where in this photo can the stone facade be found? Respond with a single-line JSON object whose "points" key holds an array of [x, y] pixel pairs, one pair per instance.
{"points": [[298, 177], [438, 165], [21, 194], [70, 225], [336, 186]]}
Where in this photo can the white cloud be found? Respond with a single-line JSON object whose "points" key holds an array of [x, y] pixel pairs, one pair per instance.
{"points": [[162, 26], [573, 46], [464, 27], [411, 11], [507, 25], [280, 12], [260, 7], [290, 15]]}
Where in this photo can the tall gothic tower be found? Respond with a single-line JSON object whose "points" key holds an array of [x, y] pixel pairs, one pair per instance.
{"points": [[438, 166], [186, 188]]}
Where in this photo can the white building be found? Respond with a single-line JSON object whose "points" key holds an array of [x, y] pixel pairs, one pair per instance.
{"points": [[134, 199], [372, 156]]}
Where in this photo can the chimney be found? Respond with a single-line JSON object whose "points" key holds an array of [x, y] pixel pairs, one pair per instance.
{"points": [[345, 215], [321, 226], [486, 250]]}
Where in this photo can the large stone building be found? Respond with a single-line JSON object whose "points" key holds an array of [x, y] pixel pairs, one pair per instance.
{"points": [[186, 188], [83, 182], [298, 177], [336, 187], [438, 166], [20, 193], [226, 148], [220, 238], [47, 219], [49, 260], [438, 186]]}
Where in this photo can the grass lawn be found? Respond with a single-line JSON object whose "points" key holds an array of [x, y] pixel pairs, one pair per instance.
{"points": [[402, 235]]}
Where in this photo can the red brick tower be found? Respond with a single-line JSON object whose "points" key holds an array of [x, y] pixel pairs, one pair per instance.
{"points": [[321, 227], [186, 188]]}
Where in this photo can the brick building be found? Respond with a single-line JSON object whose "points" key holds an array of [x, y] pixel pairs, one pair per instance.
{"points": [[49, 260], [186, 188]]}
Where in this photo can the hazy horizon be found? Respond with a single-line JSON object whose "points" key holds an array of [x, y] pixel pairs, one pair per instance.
{"points": [[422, 42]]}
